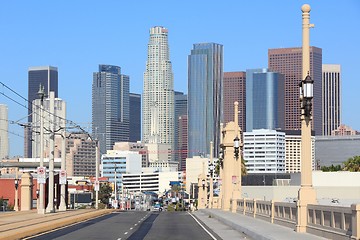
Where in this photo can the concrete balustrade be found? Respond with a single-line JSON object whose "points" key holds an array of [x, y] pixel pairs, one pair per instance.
{"points": [[331, 222]]}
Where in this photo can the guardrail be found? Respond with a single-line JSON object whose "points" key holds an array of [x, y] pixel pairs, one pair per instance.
{"points": [[332, 222]]}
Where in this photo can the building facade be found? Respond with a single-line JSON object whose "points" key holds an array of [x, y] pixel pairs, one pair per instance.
{"points": [[110, 106], [4, 129], [135, 147], [266, 94], [288, 61], [48, 78], [205, 91], [135, 117], [344, 130], [115, 163], [55, 120], [158, 91], [234, 89], [334, 150], [182, 141], [264, 151], [293, 151], [180, 112], [331, 84]]}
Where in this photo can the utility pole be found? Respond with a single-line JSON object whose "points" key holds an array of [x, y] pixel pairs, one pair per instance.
{"points": [[41, 93], [50, 207], [97, 185], [62, 206]]}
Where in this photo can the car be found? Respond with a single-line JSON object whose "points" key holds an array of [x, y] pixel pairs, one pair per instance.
{"points": [[157, 207]]}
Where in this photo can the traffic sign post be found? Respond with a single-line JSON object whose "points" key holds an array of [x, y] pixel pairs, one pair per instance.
{"points": [[41, 175], [62, 177]]}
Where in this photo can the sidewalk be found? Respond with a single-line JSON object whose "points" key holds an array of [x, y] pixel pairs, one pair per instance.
{"points": [[17, 225], [256, 228]]}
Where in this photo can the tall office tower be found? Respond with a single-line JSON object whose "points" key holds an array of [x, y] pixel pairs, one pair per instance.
{"points": [[158, 91], [4, 128], [110, 106], [331, 85], [182, 141], [55, 120], [205, 86], [265, 98], [135, 117], [180, 110], [235, 90], [288, 61], [48, 77]]}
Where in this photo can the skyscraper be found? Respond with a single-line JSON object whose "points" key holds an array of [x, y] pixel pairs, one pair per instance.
{"points": [[110, 106], [48, 77], [180, 110], [135, 117], [331, 85], [205, 79], [235, 90], [288, 61], [4, 128], [266, 100], [158, 91]]}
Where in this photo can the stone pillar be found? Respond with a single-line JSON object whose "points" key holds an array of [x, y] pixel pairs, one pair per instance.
{"points": [[202, 189], [26, 192], [355, 208]]}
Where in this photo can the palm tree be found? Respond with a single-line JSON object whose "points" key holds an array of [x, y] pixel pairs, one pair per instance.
{"points": [[352, 164]]}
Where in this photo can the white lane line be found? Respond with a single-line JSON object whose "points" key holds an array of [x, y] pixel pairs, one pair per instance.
{"points": [[212, 236], [135, 224], [119, 239], [131, 228], [126, 233]]}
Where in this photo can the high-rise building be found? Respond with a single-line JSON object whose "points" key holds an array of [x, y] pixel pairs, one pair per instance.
{"points": [[158, 91], [4, 128], [110, 106], [180, 110], [182, 141], [205, 86], [265, 95], [48, 78], [235, 90], [135, 117], [288, 61], [331, 85], [344, 130], [49, 120]]}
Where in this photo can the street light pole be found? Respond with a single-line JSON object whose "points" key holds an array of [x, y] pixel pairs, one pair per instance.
{"points": [[41, 93], [97, 175], [211, 168], [306, 194], [16, 205], [115, 190]]}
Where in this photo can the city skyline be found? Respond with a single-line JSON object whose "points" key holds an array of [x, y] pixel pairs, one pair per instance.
{"points": [[45, 38]]}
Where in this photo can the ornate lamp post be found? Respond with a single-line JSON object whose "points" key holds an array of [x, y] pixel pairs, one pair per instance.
{"points": [[306, 194], [16, 205]]}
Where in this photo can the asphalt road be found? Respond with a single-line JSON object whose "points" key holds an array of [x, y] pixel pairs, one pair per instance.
{"points": [[135, 225]]}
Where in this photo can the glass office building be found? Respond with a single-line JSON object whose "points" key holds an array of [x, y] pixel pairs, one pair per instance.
{"points": [[205, 78], [110, 106]]}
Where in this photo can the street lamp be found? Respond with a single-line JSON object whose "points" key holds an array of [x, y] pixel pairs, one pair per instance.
{"points": [[306, 95], [221, 155], [236, 147], [16, 206]]}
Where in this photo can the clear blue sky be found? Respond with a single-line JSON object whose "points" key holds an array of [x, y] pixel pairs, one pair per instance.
{"points": [[76, 36]]}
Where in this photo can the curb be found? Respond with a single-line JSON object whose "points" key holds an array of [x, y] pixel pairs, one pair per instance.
{"points": [[51, 225]]}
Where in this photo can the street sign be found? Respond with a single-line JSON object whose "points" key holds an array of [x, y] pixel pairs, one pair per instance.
{"points": [[41, 175], [96, 186], [62, 177]]}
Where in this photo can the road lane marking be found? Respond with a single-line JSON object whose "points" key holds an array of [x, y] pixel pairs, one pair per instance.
{"points": [[126, 233], [135, 224], [131, 228], [212, 236]]}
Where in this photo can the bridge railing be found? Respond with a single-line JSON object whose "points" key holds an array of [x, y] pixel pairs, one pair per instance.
{"points": [[332, 222]]}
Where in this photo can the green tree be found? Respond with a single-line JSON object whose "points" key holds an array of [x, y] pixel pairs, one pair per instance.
{"points": [[352, 164], [105, 193], [332, 168]]}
